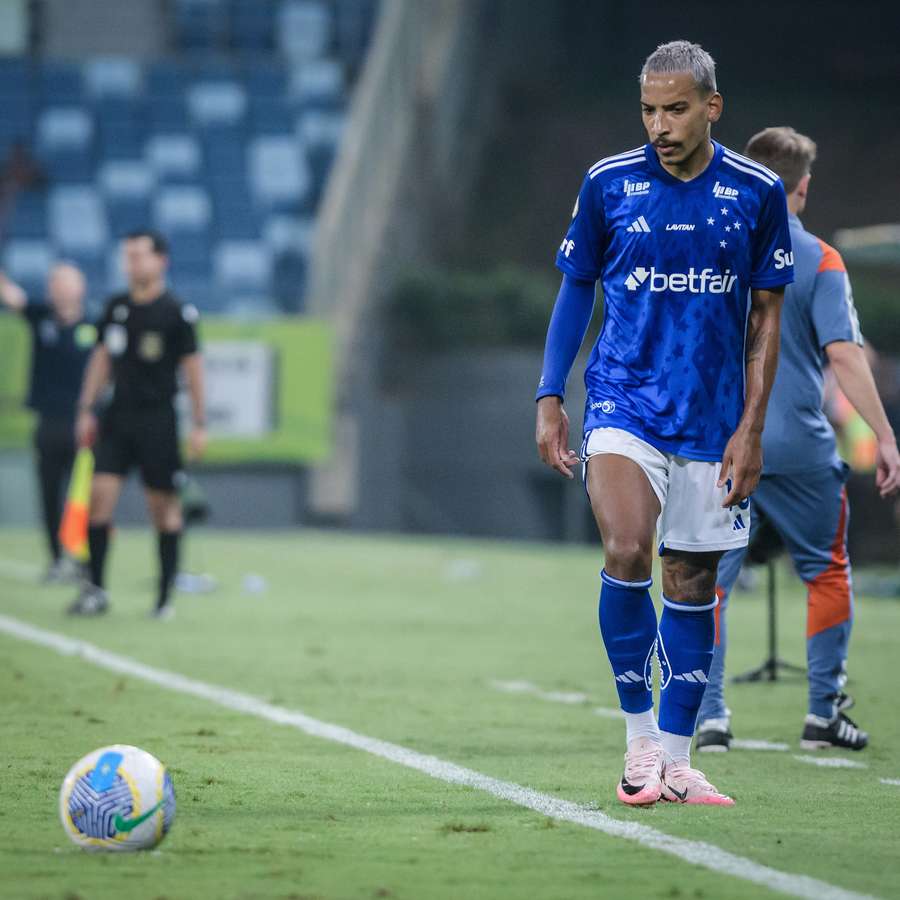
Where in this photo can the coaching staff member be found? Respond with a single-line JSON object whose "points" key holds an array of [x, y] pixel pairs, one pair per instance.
{"points": [[144, 337], [61, 342]]}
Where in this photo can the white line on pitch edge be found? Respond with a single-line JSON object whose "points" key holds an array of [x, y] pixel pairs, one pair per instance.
{"points": [[830, 762], [572, 698], [699, 853], [890, 780]]}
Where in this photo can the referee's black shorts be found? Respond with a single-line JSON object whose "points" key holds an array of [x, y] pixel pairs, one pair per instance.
{"points": [[145, 438]]}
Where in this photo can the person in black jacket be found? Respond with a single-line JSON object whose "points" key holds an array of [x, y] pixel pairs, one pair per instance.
{"points": [[61, 342]]}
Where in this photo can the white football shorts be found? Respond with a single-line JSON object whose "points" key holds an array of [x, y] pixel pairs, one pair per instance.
{"points": [[692, 517]]}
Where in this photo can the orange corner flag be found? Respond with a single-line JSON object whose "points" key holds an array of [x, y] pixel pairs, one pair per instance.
{"points": [[74, 526]]}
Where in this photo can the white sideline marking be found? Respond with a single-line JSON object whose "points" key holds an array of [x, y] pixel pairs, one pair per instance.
{"points": [[526, 687], [890, 781], [750, 744], [571, 698], [830, 762], [697, 852]]}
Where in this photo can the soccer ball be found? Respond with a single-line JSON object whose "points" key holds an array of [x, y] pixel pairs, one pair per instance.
{"points": [[117, 798]]}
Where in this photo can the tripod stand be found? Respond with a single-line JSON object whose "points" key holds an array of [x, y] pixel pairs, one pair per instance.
{"points": [[770, 667]]}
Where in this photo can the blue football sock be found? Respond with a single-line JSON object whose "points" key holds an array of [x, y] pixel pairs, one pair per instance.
{"points": [[628, 626], [686, 641]]}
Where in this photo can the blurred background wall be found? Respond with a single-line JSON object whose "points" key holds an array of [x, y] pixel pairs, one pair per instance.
{"points": [[384, 182]]}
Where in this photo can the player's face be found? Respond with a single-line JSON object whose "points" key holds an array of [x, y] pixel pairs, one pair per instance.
{"points": [[65, 287], [677, 117], [142, 264]]}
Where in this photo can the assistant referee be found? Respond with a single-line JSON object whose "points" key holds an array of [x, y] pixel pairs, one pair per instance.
{"points": [[145, 337], [61, 343]]}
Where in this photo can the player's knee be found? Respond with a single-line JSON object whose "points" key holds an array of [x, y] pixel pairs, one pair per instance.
{"points": [[628, 557]]}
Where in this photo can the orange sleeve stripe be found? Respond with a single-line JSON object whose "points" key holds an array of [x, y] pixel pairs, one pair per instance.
{"points": [[831, 260]]}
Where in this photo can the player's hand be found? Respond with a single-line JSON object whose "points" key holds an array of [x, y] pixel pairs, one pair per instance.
{"points": [[742, 465], [85, 428], [887, 467], [197, 443], [552, 436]]}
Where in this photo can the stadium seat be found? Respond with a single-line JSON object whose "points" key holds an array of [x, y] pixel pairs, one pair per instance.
{"points": [[63, 127], [287, 234], [180, 209], [112, 76], [173, 157], [318, 128], [304, 30], [27, 262], [242, 266], [217, 102], [126, 179], [318, 83], [278, 173], [77, 220]]}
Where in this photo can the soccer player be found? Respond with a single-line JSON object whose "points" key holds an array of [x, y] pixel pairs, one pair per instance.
{"points": [[61, 342], [144, 337], [691, 243], [801, 492]]}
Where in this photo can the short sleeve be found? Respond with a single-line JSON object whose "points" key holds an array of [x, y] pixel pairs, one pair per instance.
{"points": [[581, 252], [186, 331], [772, 257], [832, 309]]}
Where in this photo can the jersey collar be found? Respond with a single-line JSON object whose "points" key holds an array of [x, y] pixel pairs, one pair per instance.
{"points": [[703, 178]]}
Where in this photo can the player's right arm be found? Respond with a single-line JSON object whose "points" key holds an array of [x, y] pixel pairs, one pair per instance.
{"points": [[11, 295], [96, 377], [578, 259], [568, 324]]}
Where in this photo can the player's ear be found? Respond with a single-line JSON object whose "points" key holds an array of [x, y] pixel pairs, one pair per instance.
{"points": [[714, 106]]}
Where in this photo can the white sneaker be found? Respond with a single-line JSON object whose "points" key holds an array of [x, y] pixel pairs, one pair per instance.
{"points": [[641, 783]]}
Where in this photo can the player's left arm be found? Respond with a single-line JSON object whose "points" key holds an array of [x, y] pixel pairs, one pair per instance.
{"points": [[191, 362], [192, 368], [854, 376], [742, 459]]}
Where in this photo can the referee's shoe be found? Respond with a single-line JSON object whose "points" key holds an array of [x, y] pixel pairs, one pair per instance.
{"points": [[92, 601]]}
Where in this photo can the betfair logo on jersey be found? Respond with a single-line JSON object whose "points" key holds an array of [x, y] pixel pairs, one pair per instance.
{"points": [[636, 188], [783, 258], [724, 193], [706, 281]]}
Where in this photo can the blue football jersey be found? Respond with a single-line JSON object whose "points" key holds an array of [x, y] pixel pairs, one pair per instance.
{"points": [[676, 260]]}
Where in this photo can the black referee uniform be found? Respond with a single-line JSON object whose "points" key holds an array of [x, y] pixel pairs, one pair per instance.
{"points": [[59, 355], [146, 343]]}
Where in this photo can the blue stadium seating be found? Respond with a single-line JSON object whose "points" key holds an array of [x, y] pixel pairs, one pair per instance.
{"points": [[225, 147]]}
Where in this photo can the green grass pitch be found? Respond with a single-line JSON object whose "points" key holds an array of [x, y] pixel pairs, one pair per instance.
{"points": [[403, 640]]}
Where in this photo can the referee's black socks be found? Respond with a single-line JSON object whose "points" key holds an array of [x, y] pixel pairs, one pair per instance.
{"points": [[168, 564], [98, 541]]}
